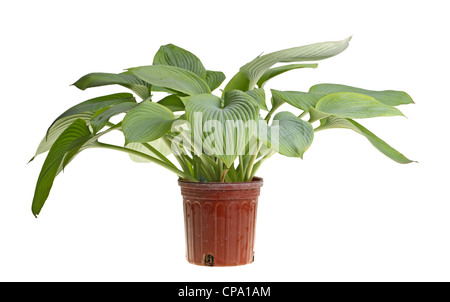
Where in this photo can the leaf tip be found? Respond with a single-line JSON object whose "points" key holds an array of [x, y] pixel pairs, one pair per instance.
{"points": [[78, 85], [34, 212], [411, 161]]}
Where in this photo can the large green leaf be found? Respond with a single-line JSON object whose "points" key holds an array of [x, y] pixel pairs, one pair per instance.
{"points": [[130, 81], [387, 97], [288, 135], [239, 82], [214, 79], [382, 146], [255, 69], [147, 122], [86, 111], [102, 116], [174, 78], [298, 99], [354, 105], [95, 104], [315, 115], [173, 102], [224, 127], [273, 72], [276, 102], [259, 95], [57, 128], [173, 55], [67, 144]]}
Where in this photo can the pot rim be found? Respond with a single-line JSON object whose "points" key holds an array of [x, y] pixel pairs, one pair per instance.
{"points": [[256, 182]]}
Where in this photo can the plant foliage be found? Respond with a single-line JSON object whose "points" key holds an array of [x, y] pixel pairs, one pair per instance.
{"points": [[181, 125]]}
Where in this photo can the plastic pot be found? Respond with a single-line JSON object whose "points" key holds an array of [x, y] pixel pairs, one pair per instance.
{"points": [[220, 221]]}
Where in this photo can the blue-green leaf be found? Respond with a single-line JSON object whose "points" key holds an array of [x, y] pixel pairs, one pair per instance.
{"points": [[130, 81], [288, 135], [101, 117], [298, 99], [147, 122], [173, 102], [354, 105], [259, 95], [85, 111], [387, 97], [67, 144], [255, 69], [238, 82], [95, 104], [223, 126], [173, 55], [339, 122], [273, 72], [171, 77], [214, 79]]}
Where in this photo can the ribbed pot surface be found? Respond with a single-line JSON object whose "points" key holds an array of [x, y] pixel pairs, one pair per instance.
{"points": [[220, 221]]}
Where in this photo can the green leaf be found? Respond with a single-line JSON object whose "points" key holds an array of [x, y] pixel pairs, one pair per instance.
{"points": [[354, 105], [101, 117], [223, 126], [288, 135], [298, 99], [147, 122], [214, 79], [276, 102], [382, 146], [255, 69], [172, 102], [259, 95], [85, 111], [239, 82], [315, 115], [57, 128], [173, 55], [95, 104], [171, 77], [387, 97], [130, 81], [67, 144], [273, 72]]}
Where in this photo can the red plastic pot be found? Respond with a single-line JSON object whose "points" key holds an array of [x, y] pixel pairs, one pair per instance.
{"points": [[220, 221]]}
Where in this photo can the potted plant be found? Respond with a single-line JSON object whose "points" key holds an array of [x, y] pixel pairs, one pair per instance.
{"points": [[216, 142]]}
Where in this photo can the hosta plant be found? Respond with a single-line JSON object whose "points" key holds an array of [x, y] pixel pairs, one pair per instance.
{"points": [[175, 116]]}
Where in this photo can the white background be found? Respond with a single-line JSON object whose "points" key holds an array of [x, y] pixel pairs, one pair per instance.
{"points": [[344, 213]]}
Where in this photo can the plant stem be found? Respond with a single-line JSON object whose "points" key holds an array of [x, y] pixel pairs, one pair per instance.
{"points": [[241, 167], [248, 173], [158, 154], [224, 174], [231, 174], [303, 114], [259, 163], [269, 114], [148, 157], [179, 158], [220, 169], [196, 163], [207, 167]]}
